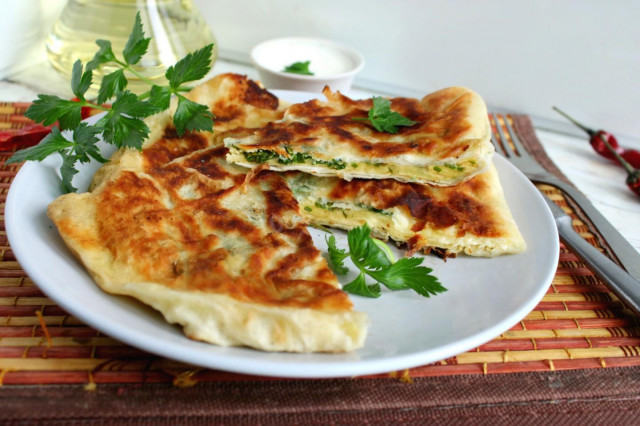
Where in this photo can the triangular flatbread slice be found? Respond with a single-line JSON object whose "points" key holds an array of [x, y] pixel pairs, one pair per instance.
{"points": [[220, 251], [449, 144]]}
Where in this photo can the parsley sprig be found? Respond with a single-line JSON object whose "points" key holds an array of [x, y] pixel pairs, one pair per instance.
{"points": [[383, 119], [123, 123], [372, 260], [301, 67]]}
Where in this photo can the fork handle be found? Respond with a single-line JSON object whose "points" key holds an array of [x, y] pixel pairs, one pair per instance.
{"points": [[625, 252], [618, 280]]}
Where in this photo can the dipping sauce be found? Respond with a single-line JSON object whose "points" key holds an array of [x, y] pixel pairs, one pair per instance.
{"points": [[325, 59], [331, 63]]}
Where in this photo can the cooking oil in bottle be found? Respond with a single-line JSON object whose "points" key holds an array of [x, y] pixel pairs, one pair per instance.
{"points": [[175, 27]]}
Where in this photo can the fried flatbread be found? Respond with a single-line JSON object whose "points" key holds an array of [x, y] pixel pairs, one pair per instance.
{"points": [[220, 251], [449, 144], [472, 217]]}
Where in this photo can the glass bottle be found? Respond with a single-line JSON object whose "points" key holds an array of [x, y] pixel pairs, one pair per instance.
{"points": [[175, 26]]}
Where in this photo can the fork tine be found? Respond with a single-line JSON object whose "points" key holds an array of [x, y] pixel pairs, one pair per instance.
{"points": [[501, 144], [517, 143]]}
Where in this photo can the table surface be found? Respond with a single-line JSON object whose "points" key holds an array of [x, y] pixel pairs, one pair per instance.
{"points": [[583, 391]]}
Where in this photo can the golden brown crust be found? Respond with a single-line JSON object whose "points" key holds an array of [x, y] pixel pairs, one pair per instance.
{"points": [[180, 243], [442, 123]]}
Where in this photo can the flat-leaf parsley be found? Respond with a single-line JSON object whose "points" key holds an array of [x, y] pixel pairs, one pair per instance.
{"points": [[383, 119], [123, 124], [301, 67], [367, 255]]}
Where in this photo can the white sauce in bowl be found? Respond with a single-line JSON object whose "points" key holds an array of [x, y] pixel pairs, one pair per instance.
{"points": [[326, 58], [332, 64]]}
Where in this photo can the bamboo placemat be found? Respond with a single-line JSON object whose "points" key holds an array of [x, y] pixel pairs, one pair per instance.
{"points": [[579, 324]]}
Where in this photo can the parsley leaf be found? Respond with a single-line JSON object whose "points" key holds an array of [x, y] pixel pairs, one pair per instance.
{"points": [[102, 56], [406, 272], [85, 140], [383, 119], [191, 116], [111, 83], [67, 171], [123, 124], [48, 109], [160, 96], [360, 287], [192, 67], [80, 81], [136, 45], [337, 256], [81, 148], [365, 253], [372, 260], [299, 68]]}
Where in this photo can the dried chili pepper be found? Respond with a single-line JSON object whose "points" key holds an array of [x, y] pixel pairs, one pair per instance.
{"points": [[26, 136], [633, 174], [597, 139], [606, 145], [31, 134]]}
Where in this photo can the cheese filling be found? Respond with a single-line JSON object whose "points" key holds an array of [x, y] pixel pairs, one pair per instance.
{"points": [[348, 170]]}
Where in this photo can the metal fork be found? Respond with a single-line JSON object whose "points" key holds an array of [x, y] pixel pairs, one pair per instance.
{"points": [[623, 284]]}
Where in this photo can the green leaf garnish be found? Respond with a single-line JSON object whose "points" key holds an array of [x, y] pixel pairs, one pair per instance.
{"points": [[378, 263], [191, 116], [299, 68], [112, 83], [102, 56], [85, 146], [82, 147], [383, 119], [48, 109], [160, 96], [360, 287], [337, 256], [192, 67], [67, 171], [53, 142], [137, 44], [123, 124], [80, 81]]}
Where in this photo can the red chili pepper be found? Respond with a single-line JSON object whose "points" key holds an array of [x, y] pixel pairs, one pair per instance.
{"points": [[633, 182], [607, 145], [32, 134], [632, 156], [27, 136], [633, 175]]}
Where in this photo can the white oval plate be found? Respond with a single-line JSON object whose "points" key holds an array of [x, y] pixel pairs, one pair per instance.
{"points": [[485, 297]]}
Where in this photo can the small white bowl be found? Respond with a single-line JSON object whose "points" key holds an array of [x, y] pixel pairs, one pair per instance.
{"points": [[332, 64]]}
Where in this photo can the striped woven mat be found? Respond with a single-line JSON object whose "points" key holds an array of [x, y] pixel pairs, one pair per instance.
{"points": [[579, 324]]}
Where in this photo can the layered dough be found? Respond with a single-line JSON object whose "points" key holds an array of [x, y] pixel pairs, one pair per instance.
{"points": [[449, 144]]}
